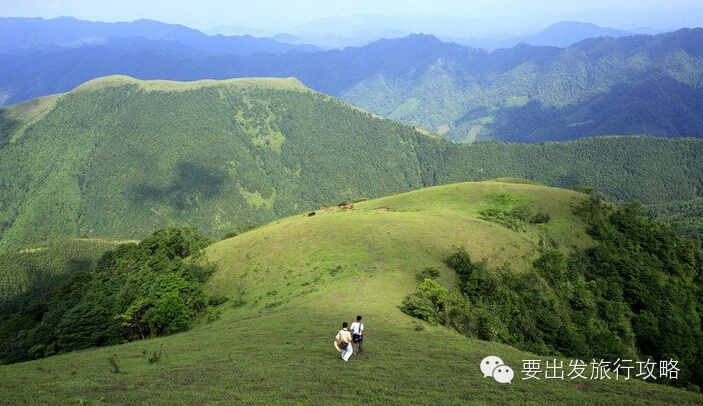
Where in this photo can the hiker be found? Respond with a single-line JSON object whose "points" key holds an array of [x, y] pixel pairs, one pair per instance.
{"points": [[357, 329], [343, 341]]}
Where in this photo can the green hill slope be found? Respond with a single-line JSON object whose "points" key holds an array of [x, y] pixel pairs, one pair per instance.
{"points": [[389, 238], [292, 282], [120, 158]]}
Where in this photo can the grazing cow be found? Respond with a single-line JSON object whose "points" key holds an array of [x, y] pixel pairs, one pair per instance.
{"points": [[345, 206], [312, 213], [328, 208]]}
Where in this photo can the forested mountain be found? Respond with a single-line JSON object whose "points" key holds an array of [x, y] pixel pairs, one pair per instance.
{"points": [[119, 158], [630, 85], [648, 85]]}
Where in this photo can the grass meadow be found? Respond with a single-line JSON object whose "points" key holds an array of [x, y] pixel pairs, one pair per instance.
{"points": [[293, 282]]}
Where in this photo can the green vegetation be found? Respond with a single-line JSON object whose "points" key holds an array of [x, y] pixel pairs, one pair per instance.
{"points": [[291, 284], [132, 292], [685, 216], [636, 295], [119, 158], [635, 85]]}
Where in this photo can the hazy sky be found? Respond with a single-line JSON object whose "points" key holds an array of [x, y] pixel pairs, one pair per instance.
{"points": [[204, 14]]}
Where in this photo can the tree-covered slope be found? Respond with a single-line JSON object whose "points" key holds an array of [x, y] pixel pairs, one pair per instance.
{"points": [[119, 158], [31, 274], [621, 169], [601, 86]]}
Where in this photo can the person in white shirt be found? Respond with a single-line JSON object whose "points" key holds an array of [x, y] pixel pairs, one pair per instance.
{"points": [[343, 341], [357, 330]]}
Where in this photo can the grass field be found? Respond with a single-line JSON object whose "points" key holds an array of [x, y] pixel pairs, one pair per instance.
{"points": [[291, 284]]}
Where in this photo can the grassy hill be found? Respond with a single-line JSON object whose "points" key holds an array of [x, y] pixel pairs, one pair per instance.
{"points": [[390, 237], [292, 282]]}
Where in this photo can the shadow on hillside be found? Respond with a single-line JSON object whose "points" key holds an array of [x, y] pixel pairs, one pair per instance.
{"points": [[40, 288], [8, 126], [193, 184]]}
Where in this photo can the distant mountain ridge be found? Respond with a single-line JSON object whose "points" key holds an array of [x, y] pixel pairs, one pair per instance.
{"points": [[632, 85], [35, 34], [567, 33], [486, 32]]}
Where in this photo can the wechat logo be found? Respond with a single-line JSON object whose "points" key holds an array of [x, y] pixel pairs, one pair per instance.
{"points": [[494, 366]]}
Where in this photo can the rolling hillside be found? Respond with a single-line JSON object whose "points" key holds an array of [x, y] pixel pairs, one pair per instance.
{"points": [[292, 282], [390, 237], [120, 158]]}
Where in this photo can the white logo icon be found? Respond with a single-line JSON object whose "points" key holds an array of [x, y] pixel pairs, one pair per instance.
{"points": [[503, 374], [494, 366]]}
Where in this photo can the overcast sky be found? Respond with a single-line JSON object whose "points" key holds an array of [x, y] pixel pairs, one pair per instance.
{"points": [[204, 14]]}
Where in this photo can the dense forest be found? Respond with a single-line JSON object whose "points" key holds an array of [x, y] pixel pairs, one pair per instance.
{"points": [[119, 158], [685, 216], [636, 295], [125, 160]]}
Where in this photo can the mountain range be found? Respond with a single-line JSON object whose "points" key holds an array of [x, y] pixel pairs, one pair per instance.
{"points": [[28, 35], [488, 32], [648, 85]]}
